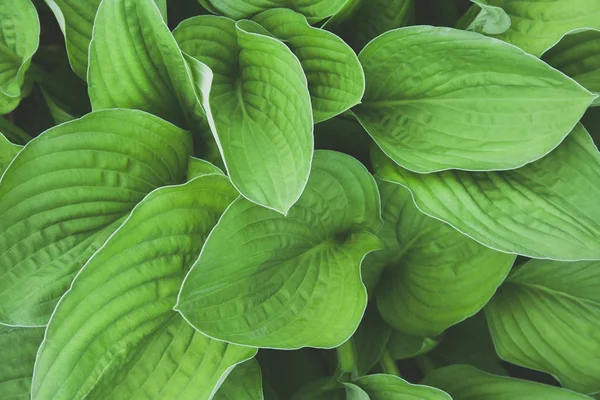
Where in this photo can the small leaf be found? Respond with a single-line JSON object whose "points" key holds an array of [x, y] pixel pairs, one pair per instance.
{"points": [[467, 112], [314, 10], [486, 19], [467, 383], [198, 167], [8, 151], [336, 81], [266, 280], [18, 347], [389, 387], [114, 333], [370, 340], [258, 106], [538, 210], [243, 383], [433, 276], [67, 191], [402, 346], [547, 317]]}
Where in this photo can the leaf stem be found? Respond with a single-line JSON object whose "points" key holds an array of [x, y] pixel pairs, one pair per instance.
{"points": [[388, 364], [347, 356], [425, 364], [13, 132]]}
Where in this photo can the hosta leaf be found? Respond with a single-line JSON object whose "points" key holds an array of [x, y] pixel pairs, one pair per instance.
{"points": [[486, 19], [467, 112], [258, 105], [114, 333], [434, 276], [467, 383], [314, 10], [539, 210], [244, 383], [197, 167], [536, 26], [370, 340], [547, 317], [67, 191], [8, 151], [267, 280], [402, 346], [146, 70], [389, 387], [335, 77], [18, 347], [19, 39]]}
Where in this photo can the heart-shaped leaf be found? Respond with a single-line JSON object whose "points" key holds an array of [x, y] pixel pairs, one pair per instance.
{"points": [[540, 210], [463, 113], [67, 191], [433, 276], [267, 280], [117, 317], [547, 317], [18, 347], [258, 106], [314, 10], [244, 383], [8, 151]]}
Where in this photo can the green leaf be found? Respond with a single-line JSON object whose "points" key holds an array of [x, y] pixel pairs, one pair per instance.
{"points": [[538, 211], [314, 10], [389, 387], [486, 19], [266, 280], [8, 152], [547, 317], [336, 81], [198, 167], [467, 112], [318, 390], [258, 106], [67, 191], [402, 346], [19, 39], [114, 333], [146, 70], [467, 383], [536, 26], [433, 276], [370, 340], [18, 347], [244, 383]]}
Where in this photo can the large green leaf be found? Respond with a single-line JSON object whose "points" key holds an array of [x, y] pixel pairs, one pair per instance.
{"points": [[467, 383], [466, 112], [547, 317], [145, 70], [114, 333], [335, 77], [67, 191], [19, 39], [244, 383], [389, 387], [267, 280], [8, 151], [258, 106], [314, 10], [538, 25], [18, 347], [547, 209], [433, 276]]}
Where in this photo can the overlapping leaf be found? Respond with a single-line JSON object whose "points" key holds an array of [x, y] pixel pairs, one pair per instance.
{"points": [[8, 151], [547, 209], [389, 387], [244, 383], [370, 340], [402, 346], [18, 347], [314, 10], [267, 280], [114, 333], [335, 78], [433, 276], [465, 112], [258, 106], [67, 191], [486, 19], [547, 317]]}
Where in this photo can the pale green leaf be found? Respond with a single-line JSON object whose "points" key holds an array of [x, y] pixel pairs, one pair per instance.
{"points": [[198, 167], [467, 383], [8, 151], [314, 10], [540, 210], [547, 317], [486, 19], [466, 112], [335, 77], [267, 280], [432, 275], [258, 106], [18, 347], [114, 333], [67, 191], [243, 383], [370, 340], [389, 387], [19, 39]]}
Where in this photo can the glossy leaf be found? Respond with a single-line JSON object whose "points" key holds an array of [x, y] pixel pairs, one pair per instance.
{"points": [[389, 387], [547, 317], [314, 10], [67, 191], [538, 211], [467, 383], [258, 106], [243, 383], [18, 347], [336, 81], [8, 151], [19, 39], [267, 280], [114, 333], [433, 276], [467, 112]]}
